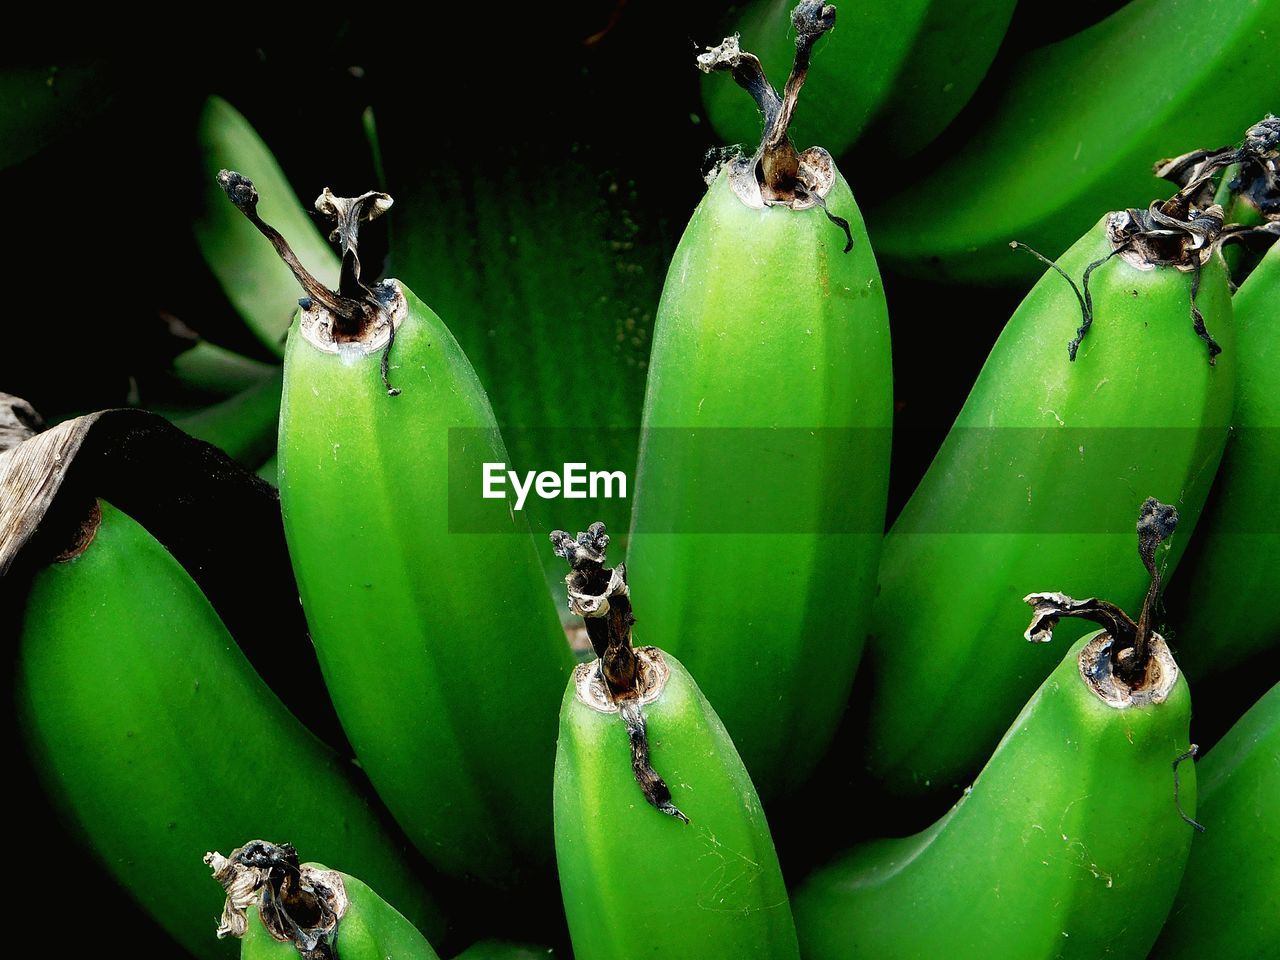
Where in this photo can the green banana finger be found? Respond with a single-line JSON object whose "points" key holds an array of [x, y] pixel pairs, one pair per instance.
{"points": [[209, 368], [1035, 483], [769, 385], [1075, 132], [702, 881], [939, 75], [259, 286], [1068, 844], [1237, 549], [155, 736], [1226, 904], [446, 684], [281, 909], [244, 426]]}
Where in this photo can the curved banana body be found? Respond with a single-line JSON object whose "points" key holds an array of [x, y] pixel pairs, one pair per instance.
{"points": [[1069, 843], [244, 426], [1077, 130], [154, 734], [1226, 905], [213, 370], [1236, 550], [939, 75], [1036, 483], [441, 650], [763, 469], [638, 883]]}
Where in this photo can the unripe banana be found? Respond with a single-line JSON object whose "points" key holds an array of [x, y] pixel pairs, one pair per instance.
{"points": [[1236, 552], [940, 75], [210, 369], [701, 882], [155, 736], [281, 909], [1035, 484], [1070, 842], [1075, 131], [259, 287], [446, 679], [1226, 906], [763, 468], [245, 426]]}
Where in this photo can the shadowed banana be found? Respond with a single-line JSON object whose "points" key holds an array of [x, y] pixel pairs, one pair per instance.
{"points": [[156, 738]]}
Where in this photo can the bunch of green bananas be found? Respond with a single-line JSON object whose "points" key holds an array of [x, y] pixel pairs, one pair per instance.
{"points": [[475, 767]]}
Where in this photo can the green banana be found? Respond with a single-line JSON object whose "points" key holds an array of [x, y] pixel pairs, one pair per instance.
{"points": [[155, 736], [1036, 479], [281, 909], [211, 369], [893, 66], [1236, 551], [244, 426], [769, 386], [939, 75], [1068, 844], [1226, 905], [441, 650], [636, 883], [258, 285], [1074, 132]]}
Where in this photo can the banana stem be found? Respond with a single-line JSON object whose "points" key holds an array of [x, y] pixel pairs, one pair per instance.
{"points": [[777, 162], [241, 191], [602, 598], [1156, 523], [298, 904], [354, 306], [1131, 650], [811, 19], [347, 213], [1250, 172]]}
